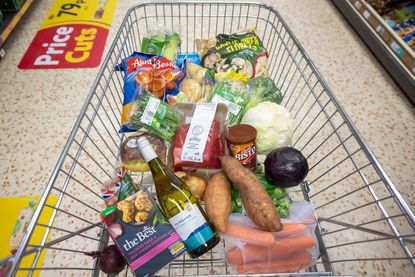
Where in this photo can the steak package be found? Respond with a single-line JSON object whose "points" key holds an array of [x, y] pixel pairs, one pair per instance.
{"points": [[199, 141], [213, 149]]}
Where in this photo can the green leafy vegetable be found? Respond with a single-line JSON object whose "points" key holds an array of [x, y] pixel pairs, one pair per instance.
{"points": [[236, 205], [171, 49], [166, 45], [159, 218]]}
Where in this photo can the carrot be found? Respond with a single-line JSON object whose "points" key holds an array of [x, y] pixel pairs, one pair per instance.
{"points": [[279, 248], [292, 263], [289, 229], [249, 234]]}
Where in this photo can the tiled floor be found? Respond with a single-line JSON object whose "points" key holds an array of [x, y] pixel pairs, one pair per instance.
{"points": [[38, 107]]}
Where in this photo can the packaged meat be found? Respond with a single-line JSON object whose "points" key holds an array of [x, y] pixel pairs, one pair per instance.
{"points": [[199, 141]]}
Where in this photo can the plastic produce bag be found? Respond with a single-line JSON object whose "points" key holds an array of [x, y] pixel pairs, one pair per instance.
{"points": [[151, 114], [161, 41], [234, 94], [253, 251], [242, 53], [197, 85]]}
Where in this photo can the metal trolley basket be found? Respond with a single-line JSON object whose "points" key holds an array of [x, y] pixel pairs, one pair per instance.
{"points": [[365, 227]]}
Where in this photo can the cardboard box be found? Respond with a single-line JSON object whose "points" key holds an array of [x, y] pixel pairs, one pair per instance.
{"points": [[142, 234]]}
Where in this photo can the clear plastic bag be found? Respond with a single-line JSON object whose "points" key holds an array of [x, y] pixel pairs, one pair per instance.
{"points": [[151, 114], [252, 251], [233, 93], [161, 41]]}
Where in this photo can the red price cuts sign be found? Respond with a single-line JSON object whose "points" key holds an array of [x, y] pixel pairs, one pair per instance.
{"points": [[73, 35]]}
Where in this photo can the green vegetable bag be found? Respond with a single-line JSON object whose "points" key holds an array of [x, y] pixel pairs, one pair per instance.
{"points": [[167, 45], [155, 116], [234, 94]]}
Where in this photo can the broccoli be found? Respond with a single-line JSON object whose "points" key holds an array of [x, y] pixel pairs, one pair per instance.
{"points": [[262, 89]]}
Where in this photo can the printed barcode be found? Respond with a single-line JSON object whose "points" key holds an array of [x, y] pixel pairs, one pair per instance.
{"points": [[233, 108], [150, 111], [149, 116]]}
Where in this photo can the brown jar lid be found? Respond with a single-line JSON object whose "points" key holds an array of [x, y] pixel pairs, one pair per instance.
{"points": [[242, 133]]}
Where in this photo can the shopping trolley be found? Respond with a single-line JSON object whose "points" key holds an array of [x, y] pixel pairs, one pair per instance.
{"points": [[364, 225]]}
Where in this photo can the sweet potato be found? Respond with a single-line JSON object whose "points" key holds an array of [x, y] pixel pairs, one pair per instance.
{"points": [[218, 200], [256, 200]]}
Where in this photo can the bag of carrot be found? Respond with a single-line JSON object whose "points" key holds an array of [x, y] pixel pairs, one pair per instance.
{"points": [[253, 251]]}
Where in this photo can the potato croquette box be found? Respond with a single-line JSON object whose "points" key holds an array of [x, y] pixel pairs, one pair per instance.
{"points": [[142, 234]]}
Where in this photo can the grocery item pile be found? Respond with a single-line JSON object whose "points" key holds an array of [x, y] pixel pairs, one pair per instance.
{"points": [[199, 122]]}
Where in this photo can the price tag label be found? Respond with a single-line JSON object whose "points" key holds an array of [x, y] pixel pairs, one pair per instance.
{"points": [[196, 138], [396, 48], [70, 8], [150, 111], [233, 108], [366, 14], [380, 30], [358, 5]]}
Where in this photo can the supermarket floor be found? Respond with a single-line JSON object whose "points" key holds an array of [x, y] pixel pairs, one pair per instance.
{"points": [[39, 107]]}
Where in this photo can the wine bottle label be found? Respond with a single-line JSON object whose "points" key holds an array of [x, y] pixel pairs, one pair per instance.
{"points": [[191, 227], [196, 138]]}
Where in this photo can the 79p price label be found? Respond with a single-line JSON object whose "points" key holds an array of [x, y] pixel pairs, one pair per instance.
{"points": [[70, 8]]}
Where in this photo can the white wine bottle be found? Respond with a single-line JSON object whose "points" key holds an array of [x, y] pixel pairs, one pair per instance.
{"points": [[178, 204]]}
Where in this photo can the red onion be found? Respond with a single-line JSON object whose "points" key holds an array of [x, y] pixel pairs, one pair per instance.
{"points": [[110, 260]]}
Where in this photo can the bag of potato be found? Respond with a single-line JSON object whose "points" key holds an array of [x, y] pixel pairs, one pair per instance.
{"points": [[196, 86], [240, 53]]}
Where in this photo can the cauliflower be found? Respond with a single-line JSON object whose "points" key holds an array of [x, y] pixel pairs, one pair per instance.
{"points": [[273, 124]]}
